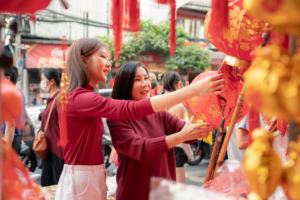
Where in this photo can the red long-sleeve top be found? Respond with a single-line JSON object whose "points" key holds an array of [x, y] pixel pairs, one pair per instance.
{"points": [[143, 153], [85, 127]]}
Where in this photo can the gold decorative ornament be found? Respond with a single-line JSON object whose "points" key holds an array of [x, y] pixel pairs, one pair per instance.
{"points": [[235, 62], [272, 84], [283, 15], [262, 165], [292, 172]]}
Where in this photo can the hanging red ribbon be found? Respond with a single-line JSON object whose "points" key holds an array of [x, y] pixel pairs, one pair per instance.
{"points": [[172, 38], [132, 11], [117, 26]]}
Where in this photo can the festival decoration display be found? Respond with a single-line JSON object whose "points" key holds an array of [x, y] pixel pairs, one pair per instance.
{"points": [[272, 84], [262, 165], [283, 15], [20, 6], [209, 109], [234, 41], [127, 12], [63, 98], [291, 179], [16, 178]]}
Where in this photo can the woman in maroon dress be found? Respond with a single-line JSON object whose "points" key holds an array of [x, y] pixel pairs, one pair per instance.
{"points": [[53, 165], [87, 64], [145, 146]]}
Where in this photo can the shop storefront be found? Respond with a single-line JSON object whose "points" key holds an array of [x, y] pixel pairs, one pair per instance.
{"points": [[40, 56]]}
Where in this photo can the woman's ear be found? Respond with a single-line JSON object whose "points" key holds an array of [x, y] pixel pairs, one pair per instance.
{"points": [[84, 59]]}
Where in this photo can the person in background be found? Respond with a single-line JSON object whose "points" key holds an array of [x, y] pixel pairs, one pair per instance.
{"points": [[11, 133], [38, 99], [153, 81], [53, 165], [145, 146], [183, 153], [239, 139]]}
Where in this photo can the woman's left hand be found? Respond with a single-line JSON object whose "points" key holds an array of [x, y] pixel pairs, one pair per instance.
{"points": [[184, 103]]}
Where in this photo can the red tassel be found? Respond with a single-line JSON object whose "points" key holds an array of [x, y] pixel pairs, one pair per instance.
{"points": [[172, 39], [63, 125], [117, 26], [253, 123], [219, 15], [133, 10]]}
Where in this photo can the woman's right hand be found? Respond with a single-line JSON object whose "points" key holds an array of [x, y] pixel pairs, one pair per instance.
{"points": [[194, 131], [211, 85]]}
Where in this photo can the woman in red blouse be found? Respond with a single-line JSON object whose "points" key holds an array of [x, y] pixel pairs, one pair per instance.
{"points": [[145, 146], [87, 64]]}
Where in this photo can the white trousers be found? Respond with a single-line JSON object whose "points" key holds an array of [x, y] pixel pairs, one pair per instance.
{"points": [[82, 182]]}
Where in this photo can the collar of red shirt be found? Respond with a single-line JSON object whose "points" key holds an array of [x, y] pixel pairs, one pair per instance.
{"points": [[88, 87]]}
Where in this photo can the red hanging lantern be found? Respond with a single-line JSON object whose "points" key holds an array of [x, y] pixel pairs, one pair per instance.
{"points": [[234, 41]]}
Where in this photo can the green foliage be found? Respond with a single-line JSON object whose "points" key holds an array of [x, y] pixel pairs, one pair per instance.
{"points": [[192, 56], [151, 38], [155, 38]]}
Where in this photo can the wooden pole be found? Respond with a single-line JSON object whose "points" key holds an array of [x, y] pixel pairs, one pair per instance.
{"points": [[212, 161], [237, 109]]}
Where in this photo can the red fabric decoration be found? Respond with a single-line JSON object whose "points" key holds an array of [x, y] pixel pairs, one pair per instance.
{"points": [[63, 114], [21, 6], [282, 126], [209, 108], [219, 16], [253, 123], [117, 26], [172, 38], [234, 41], [133, 12], [16, 178], [63, 126]]}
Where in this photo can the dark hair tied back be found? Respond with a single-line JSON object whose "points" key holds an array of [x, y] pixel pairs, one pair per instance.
{"points": [[52, 73], [170, 80]]}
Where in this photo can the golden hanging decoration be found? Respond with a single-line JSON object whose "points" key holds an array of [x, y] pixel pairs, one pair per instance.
{"points": [[283, 15], [262, 165], [273, 83], [291, 183]]}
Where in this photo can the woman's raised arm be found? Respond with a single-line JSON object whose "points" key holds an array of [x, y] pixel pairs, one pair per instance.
{"points": [[211, 85]]}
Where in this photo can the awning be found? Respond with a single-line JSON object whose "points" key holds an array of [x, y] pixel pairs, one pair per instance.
{"points": [[44, 56]]}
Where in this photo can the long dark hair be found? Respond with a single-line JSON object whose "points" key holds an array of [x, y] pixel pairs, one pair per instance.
{"points": [[52, 73], [170, 80], [124, 80]]}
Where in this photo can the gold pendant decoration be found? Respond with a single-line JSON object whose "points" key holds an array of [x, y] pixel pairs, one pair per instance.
{"points": [[272, 85], [262, 165], [283, 15], [291, 183]]}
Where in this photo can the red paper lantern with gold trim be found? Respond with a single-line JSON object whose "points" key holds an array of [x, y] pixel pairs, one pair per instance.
{"points": [[236, 40]]}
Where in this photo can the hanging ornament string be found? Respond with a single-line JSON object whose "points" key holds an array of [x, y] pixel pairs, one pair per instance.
{"points": [[172, 37], [132, 11], [63, 99], [117, 26]]}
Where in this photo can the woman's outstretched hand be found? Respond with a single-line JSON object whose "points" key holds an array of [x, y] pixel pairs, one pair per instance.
{"points": [[194, 131], [211, 85]]}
